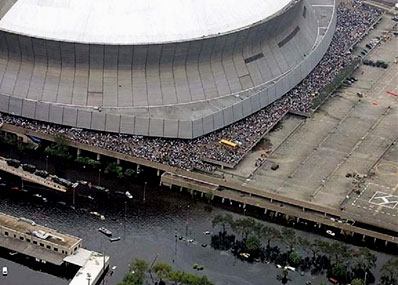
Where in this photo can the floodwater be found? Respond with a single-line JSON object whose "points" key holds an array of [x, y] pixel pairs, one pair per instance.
{"points": [[147, 229]]}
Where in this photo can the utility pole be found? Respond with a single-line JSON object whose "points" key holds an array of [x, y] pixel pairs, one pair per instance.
{"points": [[47, 163]]}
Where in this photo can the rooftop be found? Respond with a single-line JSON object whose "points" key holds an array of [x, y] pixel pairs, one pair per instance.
{"points": [[147, 21], [26, 226]]}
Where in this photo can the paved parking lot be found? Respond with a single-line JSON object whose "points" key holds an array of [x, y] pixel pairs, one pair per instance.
{"points": [[350, 135]]}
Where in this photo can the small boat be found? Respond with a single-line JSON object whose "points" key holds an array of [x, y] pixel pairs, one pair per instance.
{"points": [[207, 233], [128, 194], [5, 271], [114, 239], [95, 214], [105, 231], [290, 268], [12, 253], [244, 254], [331, 233]]}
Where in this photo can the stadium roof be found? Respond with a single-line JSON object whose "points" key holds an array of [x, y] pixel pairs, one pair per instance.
{"points": [[134, 21]]}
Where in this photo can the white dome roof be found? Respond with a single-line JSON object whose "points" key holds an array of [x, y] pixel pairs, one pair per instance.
{"points": [[134, 21]]}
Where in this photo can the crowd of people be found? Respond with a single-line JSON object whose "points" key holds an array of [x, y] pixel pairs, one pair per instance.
{"points": [[353, 19]]}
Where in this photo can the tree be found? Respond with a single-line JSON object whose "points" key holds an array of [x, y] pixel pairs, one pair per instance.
{"points": [[269, 233], [87, 161], [317, 246], [113, 167], [252, 243], [337, 252], [189, 279], [60, 148], [162, 270], [339, 271], [363, 259], [284, 277], [136, 274], [289, 238], [390, 270], [357, 281], [139, 266], [224, 221], [245, 226], [294, 258], [132, 279]]}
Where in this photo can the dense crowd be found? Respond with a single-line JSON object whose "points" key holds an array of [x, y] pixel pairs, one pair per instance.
{"points": [[353, 19]]}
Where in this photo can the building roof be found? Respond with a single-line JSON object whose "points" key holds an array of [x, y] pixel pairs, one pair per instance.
{"points": [[28, 227], [143, 22]]}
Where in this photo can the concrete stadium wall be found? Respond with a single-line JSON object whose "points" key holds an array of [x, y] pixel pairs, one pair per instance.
{"points": [[62, 82]]}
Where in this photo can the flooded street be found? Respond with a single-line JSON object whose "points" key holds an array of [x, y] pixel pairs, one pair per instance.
{"points": [[147, 229]]}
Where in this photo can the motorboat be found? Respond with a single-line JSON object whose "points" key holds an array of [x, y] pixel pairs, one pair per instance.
{"points": [[329, 232], [5, 271], [114, 239], [128, 194], [95, 214], [105, 231]]}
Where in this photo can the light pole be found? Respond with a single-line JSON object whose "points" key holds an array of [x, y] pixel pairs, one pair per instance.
{"points": [[46, 162], [125, 212], [73, 192], [99, 177], [88, 278], [144, 192], [366, 273]]}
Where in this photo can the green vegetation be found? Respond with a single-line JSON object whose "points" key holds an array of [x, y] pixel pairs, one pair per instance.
{"points": [[12, 140], [139, 269], [114, 168], [136, 274], [224, 221], [252, 243], [339, 271], [357, 281], [390, 272], [129, 172], [336, 258], [87, 161], [60, 149], [294, 259]]}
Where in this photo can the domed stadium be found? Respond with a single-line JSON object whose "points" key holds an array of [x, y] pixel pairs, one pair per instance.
{"points": [[176, 68]]}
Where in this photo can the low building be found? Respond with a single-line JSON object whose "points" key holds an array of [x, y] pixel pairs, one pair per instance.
{"points": [[25, 236]]}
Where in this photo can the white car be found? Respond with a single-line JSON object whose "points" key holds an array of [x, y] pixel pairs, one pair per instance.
{"points": [[5, 271]]}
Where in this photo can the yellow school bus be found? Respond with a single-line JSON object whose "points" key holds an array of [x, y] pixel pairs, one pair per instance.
{"points": [[229, 144]]}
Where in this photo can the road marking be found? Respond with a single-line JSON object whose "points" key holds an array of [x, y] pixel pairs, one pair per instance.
{"points": [[384, 199]]}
